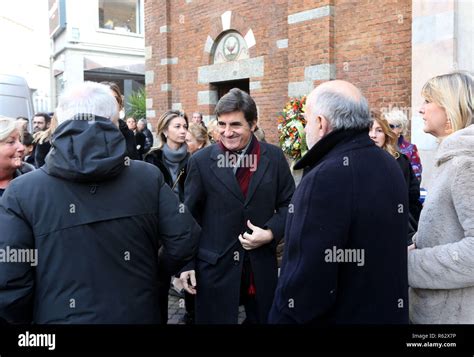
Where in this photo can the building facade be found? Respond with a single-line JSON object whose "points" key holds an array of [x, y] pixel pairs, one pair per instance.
{"points": [[196, 50], [25, 47], [97, 40], [442, 42]]}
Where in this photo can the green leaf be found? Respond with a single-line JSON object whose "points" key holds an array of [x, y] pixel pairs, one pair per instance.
{"points": [[137, 104]]}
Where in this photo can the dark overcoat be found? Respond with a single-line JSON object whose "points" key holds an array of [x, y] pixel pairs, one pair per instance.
{"points": [[215, 199], [345, 257]]}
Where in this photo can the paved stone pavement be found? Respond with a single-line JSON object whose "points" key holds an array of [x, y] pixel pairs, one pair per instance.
{"points": [[176, 311]]}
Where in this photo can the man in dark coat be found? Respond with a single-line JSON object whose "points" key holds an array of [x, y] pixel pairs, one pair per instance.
{"points": [[238, 190], [139, 137], [142, 127], [345, 259], [93, 220], [130, 143]]}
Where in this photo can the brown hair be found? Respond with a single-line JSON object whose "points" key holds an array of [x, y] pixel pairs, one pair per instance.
{"points": [[164, 122], [390, 144], [236, 100], [199, 133], [45, 135], [117, 92]]}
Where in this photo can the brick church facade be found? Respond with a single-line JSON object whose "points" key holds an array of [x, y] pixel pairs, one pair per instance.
{"points": [[196, 50]]}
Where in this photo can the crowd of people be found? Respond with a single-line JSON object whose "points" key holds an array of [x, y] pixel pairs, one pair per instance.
{"points": [[118, 215]]}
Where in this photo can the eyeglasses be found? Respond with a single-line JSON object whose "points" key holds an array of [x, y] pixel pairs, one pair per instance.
{"points": [[395, 126]]}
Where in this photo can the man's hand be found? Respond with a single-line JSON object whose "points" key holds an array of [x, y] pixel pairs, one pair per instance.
{"points": [[258, 237], [187, 276]]}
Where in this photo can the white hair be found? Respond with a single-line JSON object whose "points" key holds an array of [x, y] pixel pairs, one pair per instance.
{"points": [[7, 127], [85, 101], [397, 117], [341, 111]]}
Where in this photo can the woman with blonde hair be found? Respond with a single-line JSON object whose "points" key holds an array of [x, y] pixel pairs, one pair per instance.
{"points": [[196, 138], [441, 261], [398, 122], [11, 152], [213, 132], [171, 157], [386, 139]]}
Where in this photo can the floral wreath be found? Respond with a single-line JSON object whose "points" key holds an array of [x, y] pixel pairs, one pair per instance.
{"points": [[291, 123]]}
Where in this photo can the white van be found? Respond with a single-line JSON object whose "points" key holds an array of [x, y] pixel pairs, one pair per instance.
{"points": [[15, 97]]}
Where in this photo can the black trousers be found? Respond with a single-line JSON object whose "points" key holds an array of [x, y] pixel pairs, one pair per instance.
{"points": [[249, 301], [163, 290], [189, 302], [251, 312]]}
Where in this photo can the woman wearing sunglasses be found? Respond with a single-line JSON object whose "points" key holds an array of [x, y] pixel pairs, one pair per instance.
{"points": [[398, 122]]}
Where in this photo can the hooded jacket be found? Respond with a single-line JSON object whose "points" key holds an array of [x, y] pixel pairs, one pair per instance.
{"points": [[96, 220], [441, 268]]}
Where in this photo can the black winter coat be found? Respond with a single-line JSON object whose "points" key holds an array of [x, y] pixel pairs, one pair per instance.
{"points": [[41, 150], [24, 169], [216, 201], [352, 203], [148, 140], [97, 221], [140, 140], [131, 146], [413, 186], [155, 157], [414, 203]]}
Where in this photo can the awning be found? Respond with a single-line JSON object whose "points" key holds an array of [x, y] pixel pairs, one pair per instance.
{"points": [[135, 66]]}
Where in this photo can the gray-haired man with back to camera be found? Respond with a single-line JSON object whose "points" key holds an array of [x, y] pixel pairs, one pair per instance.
{"points": [[345, 256], [97, 236]]}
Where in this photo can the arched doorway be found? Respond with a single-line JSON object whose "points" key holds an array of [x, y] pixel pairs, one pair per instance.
{"points": [[230, 47]]}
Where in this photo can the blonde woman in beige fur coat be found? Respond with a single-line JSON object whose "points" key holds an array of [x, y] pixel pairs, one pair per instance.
{"points": [[441, 262]]}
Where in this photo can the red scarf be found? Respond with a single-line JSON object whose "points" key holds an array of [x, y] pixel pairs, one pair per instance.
{"points": [[244, 175]]}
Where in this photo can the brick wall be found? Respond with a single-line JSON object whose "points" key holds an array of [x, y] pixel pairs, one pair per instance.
{"points": [[373, 49], [365, 42]]}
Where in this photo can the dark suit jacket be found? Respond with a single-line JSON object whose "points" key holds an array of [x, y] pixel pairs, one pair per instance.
{"points": [[213, 196]]}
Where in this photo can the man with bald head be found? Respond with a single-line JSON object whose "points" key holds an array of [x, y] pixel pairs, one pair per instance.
{"points": [[345, 251]]}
